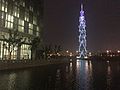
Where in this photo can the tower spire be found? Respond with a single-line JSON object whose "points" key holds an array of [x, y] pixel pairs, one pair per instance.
{"points": [[81, 7]]}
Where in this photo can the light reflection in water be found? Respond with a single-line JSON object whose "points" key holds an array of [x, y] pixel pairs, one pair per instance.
{"points": [[79, 75], [84, 74], [71, 66], [11, 82], [108, 75], [58, 74]]}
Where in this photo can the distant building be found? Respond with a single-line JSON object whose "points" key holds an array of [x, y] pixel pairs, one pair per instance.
{"points": [[25, 16]]}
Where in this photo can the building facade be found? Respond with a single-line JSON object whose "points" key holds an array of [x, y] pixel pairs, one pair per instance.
{"points": [[23, 16]]}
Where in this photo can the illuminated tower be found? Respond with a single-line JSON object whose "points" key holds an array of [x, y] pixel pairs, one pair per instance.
{"points": [[82, 35]]}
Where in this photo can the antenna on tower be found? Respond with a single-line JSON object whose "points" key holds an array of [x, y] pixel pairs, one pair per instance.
{"points": [[81, 7]]}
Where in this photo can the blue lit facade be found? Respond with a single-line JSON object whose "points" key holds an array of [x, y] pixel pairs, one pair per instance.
{"points": [[82, 35]]}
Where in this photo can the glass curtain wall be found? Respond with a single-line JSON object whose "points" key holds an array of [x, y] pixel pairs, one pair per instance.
{"points": [[21, 16]]}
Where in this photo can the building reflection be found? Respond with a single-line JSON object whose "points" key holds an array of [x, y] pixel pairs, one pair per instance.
{"points": [[12, 81], [84, 74]]}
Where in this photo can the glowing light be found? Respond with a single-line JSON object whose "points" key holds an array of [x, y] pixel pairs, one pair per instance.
{"points": [[85, 57], [71, 54], [77, 51], [118, 51], [82, 37], [107, 51], [67, 51], [108, 61], [90, 54]]}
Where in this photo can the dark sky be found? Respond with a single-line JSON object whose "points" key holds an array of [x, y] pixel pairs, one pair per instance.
{"points": [[61, 22]]}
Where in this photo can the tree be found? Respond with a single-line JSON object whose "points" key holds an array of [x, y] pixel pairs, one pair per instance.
{"points": [[57, 49], [36, 47], [49, 49], [13, 40]]}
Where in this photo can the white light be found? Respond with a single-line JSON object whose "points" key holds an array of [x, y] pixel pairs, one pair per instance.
{"points": [[107, 51], [86, 57], [67, 51], [118, 51]]}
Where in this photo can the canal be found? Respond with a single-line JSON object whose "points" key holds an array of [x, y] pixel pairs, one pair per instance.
{"points": [[80, 75]]}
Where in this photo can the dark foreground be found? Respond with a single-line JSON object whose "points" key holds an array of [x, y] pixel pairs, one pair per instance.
{"points": [[82, 75]]}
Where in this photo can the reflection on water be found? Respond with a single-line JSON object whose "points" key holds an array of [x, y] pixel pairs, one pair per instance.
{"points": [[108, 75], [79, 75], [84, 74], [11, 81]]}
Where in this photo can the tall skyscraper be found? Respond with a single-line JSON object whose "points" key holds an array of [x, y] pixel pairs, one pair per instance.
{"points": [[82, 35]]}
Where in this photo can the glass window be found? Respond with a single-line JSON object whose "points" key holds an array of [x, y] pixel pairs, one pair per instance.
{"points": [[20, 28], [21, 22], [30, 31], [9, 18], [16, 11], [8, 25], [3, 15], [37, 33], [30, 26], [6, 4], [37, 29], [26, 16], [23, 4], [3, 6], [25, 52], [34, 20]]}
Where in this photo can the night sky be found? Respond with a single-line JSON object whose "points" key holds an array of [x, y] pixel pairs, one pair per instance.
{"points": [[61, 20]]}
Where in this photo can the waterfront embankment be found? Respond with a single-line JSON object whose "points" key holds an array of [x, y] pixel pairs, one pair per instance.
{"points": [[19, 64]]}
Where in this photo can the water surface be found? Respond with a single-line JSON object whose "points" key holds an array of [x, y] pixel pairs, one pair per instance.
{"points": [[80, 75]]}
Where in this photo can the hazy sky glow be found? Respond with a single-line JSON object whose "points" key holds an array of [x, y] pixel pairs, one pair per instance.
{"points": [[102, 19]]}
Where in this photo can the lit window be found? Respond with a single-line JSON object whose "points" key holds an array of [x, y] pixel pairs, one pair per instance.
{"points": [[15, 11], [34, 20], [20, 28], [18, 12], [8, 25], [23, 4], [2, 6], [21, 22], [2, 15], [37, 33], [26, 16], [30, 31], [38, 29], [9, 18], [11, 26], [3, 1], [30, 26], [5, 9]]}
